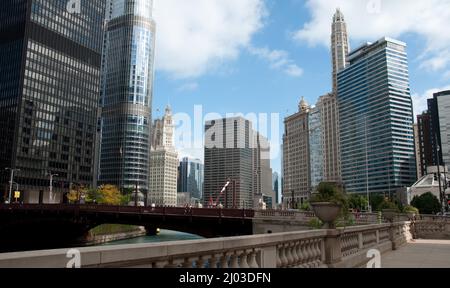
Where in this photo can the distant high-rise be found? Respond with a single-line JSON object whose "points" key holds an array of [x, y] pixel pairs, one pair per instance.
{"points": [[425, 146], [438, 108], [262, 182], [296, 157], [190, 177], [163, 163], [50, 59], [376, 119], [417, 150], [276, 186], [339, 45], [230, 149], [315, 147], [127, 90]]}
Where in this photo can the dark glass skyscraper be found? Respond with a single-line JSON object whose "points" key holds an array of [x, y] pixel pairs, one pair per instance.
{"points": [[127, 90], [190, 177], [376, 119], [49, 85]]}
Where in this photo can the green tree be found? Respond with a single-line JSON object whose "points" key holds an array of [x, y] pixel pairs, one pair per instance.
{"points": [[109, 195], [76, 193], [357, 201], [305, 206], [427, 203], [375, 201]]}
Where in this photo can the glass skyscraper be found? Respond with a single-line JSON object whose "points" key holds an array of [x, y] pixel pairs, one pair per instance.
{"points": [[376, 119], [190, 177], [127, 90], [315, 147], [50, 61]]}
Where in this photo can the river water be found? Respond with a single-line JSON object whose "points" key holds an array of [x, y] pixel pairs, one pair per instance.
{"points": [[163, 236]]}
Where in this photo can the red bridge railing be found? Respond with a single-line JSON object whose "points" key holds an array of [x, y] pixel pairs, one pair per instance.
{"points": [[175, 211]]}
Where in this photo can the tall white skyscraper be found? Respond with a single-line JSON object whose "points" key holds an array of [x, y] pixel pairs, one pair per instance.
{"points": [[163, 163], [339, 45]]}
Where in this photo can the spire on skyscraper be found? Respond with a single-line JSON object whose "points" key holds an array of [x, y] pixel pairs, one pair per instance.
{"points": [[339, 45]]}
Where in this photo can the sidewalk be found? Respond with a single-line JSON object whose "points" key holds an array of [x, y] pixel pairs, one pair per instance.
{"points": [[419, 254]]}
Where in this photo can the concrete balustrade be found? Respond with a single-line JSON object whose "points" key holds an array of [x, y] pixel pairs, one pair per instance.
{"points": [[346, 247]]}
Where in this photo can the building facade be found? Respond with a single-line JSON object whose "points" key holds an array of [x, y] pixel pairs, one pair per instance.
{"points": [[262, 182], [127, 91], [163, 163], [229, 150], [376, 119], [438, 108], [425, 140], [417, 150], [276, 187], [49, 86], [296, 157], [316, 147], [329, 126], [190, 177]]}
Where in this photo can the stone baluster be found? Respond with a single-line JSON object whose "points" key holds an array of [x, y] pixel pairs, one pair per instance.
{"points": [[300, 254], [318, 253], [224, 261], [188, 263], [252, 259], [283, 259], [243, 259], [307, 253], [214, 260], [201, 262], [160, 264], [288, 251], [234, 261], [294, 254], [279, 262]]}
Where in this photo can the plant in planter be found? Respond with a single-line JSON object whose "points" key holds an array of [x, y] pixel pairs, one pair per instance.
{"points": [[411, 211], [328, 203]]}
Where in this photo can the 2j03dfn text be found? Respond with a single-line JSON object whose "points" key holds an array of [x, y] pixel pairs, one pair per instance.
{"points": [[231, 278]]}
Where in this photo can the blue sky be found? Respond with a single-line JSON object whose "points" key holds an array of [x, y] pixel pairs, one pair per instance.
{"points": [[256, 56]]}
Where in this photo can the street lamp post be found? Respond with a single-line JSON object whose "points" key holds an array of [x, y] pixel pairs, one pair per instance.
{"points": [[11, 181], [51, 184]]}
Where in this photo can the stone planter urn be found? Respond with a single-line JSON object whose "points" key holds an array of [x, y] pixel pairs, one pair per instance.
{"points": [[389, 214], [327, 212], [411, 215]]}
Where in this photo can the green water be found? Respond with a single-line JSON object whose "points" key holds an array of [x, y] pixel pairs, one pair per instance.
{"points": [[163, 236]]}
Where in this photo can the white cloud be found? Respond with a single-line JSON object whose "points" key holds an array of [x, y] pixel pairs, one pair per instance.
{"points": [[188, 87], [420, 100], [278, 59], [198, 35], [369, 20]]}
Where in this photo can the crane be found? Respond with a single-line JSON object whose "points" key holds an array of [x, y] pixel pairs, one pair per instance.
{"points": [[214, 204]]}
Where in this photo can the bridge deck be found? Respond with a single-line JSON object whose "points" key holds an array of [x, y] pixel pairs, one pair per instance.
{"points": [[419, 254]]}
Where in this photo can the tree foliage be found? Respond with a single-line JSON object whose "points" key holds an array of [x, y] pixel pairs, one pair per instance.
{"points": [[357, 201], [76, 194], [109, 195], [427, 203]]}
